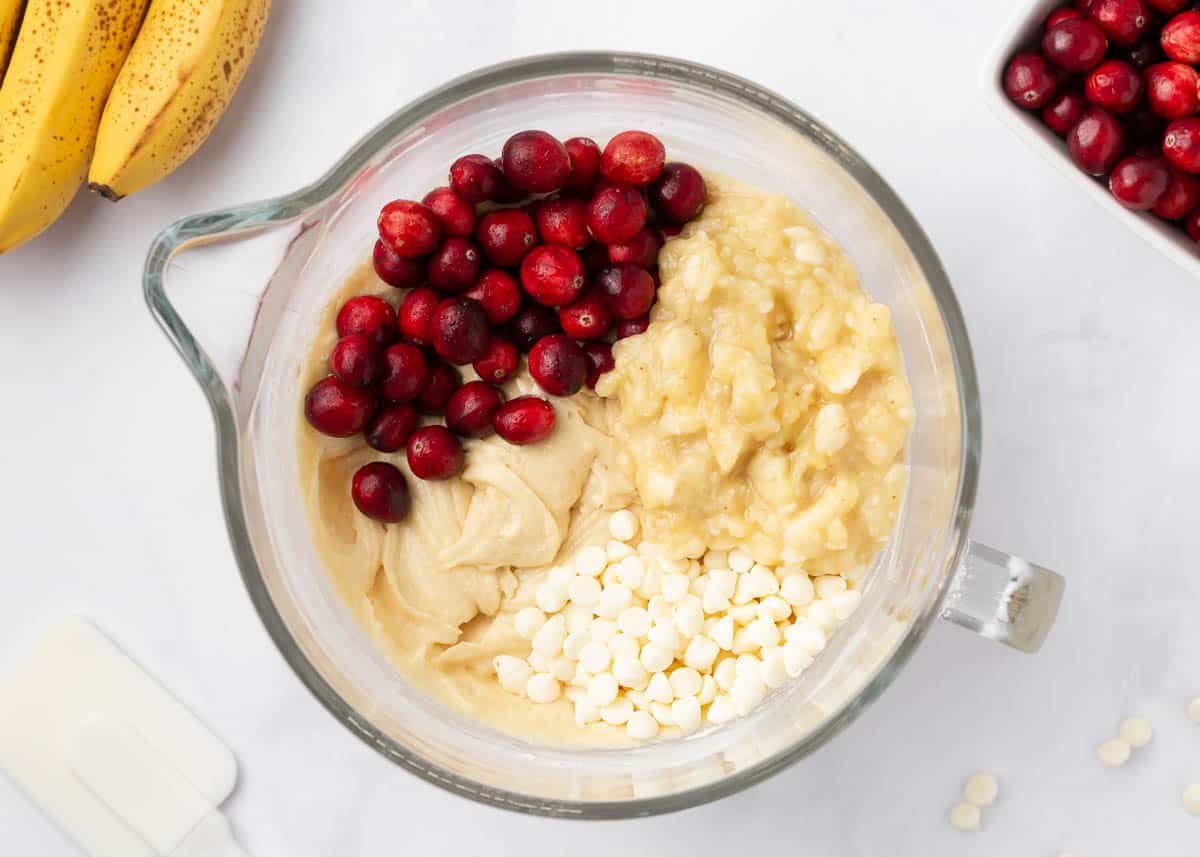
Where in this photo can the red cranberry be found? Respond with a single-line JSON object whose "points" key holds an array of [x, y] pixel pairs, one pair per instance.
{"points": [[476, 178], [1114, 85], [1137, 182], [1181, 144], [553, 275], [633, 158], [454, 266], [409, 228], [416, 310], [406, 373], [460, 330], [616, 213], [1066, 13], [587, 317], [1096, 141], [1171, 89], [668, 231], [524, 420], [470, 410], [563, 220], [443, 380], [1181, 37], [679, 193], [370, 316], [434, 453], [499, 361], [1180, 197], [1075, 45], [499, 294], [394, 269], [505, 236], [628, 290], [380, 492], [1123, 21], [356, 360], [1030, 81], [456, 215], [1191, 224], [585, 162], [600, 360], [531, 323], [1063, 112], [335, 408], [535, 162], [1167, 7], [633, 326], [389, 429], [558, 364], [642, 249]]}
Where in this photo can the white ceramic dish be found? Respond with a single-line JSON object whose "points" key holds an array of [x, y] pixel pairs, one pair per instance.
{"points": [[1022, 32]]}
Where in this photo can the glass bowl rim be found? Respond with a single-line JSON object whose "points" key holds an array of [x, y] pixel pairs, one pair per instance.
{"points": [[253, 217]]}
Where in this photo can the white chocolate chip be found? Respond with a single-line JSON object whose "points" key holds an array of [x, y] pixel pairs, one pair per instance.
{"points": [[512, 672], [551, 596], [700, 653], [797, 589], [591, 560], [584, 591], [623, 525], [635, 622], [642, 726], [629, 672], [981, 789], [617, 712], [1136, 732], [595, 656], [965, 817], [658, 689], [655, 658], [1193, 709], [528, 621], [708, 690], [602, 690], [542, 688], [740, 561], [617, 551], [1191, 799], [1113, 753], [686, 714], [721, 709]]}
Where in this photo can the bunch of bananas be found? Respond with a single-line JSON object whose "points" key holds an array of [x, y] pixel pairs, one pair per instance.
{"points": [[130, 88]]}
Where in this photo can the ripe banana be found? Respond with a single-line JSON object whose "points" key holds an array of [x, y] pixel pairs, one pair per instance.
{"points": [[67, 55], [10, 20], [183, 70]]}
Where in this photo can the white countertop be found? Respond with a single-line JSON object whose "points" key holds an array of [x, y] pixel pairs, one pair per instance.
{"points": [[1087, 345]]}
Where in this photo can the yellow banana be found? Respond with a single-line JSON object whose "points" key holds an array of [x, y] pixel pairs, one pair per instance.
{"points": [[67, 55], [184, 68], [10, 20]]}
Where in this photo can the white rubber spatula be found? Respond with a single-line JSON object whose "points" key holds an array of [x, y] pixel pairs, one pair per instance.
{"points": [[110, 756]]}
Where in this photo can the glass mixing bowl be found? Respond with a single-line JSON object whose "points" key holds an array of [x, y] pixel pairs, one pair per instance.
{"points": [[242, 306]]}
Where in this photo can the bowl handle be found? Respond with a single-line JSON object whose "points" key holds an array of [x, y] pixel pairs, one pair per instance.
{"points": [[1003, 597]]}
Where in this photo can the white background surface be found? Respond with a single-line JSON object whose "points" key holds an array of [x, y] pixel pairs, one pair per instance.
{"points": [[1087, 346]]}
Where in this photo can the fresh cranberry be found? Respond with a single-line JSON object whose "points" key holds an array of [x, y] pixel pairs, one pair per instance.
{"points": [[633, 158], [416, 310], [535, 162], [587, 317], [531, 323], [406, 373], [409, 228], [563, 220], [633, 326], [1137, 182], [454, 266], [370, 316], [1063, 112], [1123, 21], [668, 231], [1066, 13], [558, 364], [389, 429], [456, 215], [524, 420], [642, 249], [475, 178], [380, 492], [356, 360], [335, 408], [460, 330], [1181, 37], [616, 213], [1180, 197], [1096, 141], [499, 294], [1191, 224], [470, 410], [1030, 81], [505, 236], [1114, 85], [628, 290], [1075, 45], [1171, 89], [444, 379], [434, 453], [1181, 144], [553, 275], [396, 270], [499, 360], [679, 192], [600, 360], [585, 162], [1167, 7]]}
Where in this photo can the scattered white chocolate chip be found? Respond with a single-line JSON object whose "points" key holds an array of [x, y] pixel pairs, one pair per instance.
{"points": [[1191, 799], [965, 816], [1193, 709], [1114, 753], [1136, 732], [981, 789]]}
